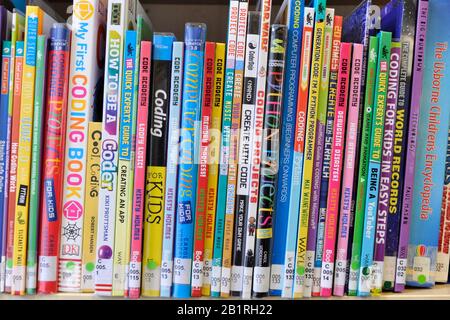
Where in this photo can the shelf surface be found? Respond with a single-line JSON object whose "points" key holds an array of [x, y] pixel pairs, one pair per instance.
{"points": [[440, 292]]}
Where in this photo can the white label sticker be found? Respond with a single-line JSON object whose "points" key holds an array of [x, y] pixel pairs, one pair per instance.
{"points": [[400, 274], [377, 276], [182, 271], [236, 278], [31, 277], [326, 281], [166, 273], [389, 270], [207, 272], [215, 279], [47, 268], [276, 273], [340, 272], [421, 269], [197, 274], [261, 279], [247, 283], [225, 281], [134, 275]]}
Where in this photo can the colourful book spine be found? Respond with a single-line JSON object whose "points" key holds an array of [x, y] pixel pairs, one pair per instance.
{"points": [[213, 169], [125, 173], [90, 222], [118, 20], [216, 277], [299, 148], [386, 169], [413, 127], [310, 139], [234, 149], [134, 274], [349, 167], [14, 147], [374, 165], [33, 27], [312, 275], [263, 47], [172, 168], [327, 148], [85, 89], [430, 150], [336, 166], [269, 160], [5, 127], [195, 35], [245, 142], [295, 26], [369, 96], [202, 178], [443, 255], [36, 159]]}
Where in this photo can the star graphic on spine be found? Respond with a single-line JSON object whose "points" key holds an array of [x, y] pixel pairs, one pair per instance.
{"points": [[71, 231]]}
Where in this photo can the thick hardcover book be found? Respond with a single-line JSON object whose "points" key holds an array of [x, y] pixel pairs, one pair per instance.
{"points": [[195, 35], [85, 94], [156, 163], [216, 277], [269, 160], [245, 157], [398, 17], [295, 12], [213, 169], [386, 168], [120, 14], [310, 138], [337, 155], [202, 178], [413, 127], [134, 273], [299, 148], [263, 47], [312, 274], [430, 150]]}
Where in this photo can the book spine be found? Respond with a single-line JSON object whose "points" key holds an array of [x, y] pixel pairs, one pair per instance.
{"points": [[362, 178], [134, 274], [5, 129], [14, 147], [234, 148], [386, 169], [245, 145], [33, 29], [202, 189], [36, 159], [172, 168], [310, 139], [269, 160], [443, 255], [125, 166], [117, 22], [336, 167], [374, 166], [91, 204], [85, 88], [295, 26], [189, 146], [328, 144], [430, 148], [216, 277], [312, 275], [299, 148], [213, 167], [413, 126], [263, 47]]}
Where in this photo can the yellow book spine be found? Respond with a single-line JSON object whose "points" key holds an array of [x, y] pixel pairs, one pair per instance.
{"points": [[153, 230], [308, 163], [33, 28], [91, 205], [214, 156]]}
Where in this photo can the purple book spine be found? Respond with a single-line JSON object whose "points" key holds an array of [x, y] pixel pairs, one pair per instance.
{"points": [[419, 55], [386, 167]]}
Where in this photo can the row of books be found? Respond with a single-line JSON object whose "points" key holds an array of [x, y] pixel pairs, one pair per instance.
{"points": [[302, 158]]}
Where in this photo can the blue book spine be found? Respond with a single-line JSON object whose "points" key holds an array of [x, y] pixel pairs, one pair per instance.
{"points": [[292, 76], [195, 37], [172, 168], [430, 151], [5, 127]]}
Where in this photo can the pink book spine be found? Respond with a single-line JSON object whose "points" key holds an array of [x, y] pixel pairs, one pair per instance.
{"points": [[351, 141], [334, 186], [134, 276]]}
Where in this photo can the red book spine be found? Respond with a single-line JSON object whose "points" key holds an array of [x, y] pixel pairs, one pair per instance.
{"points": [[53, 158]]}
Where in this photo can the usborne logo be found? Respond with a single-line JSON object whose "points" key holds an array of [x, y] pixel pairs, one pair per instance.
{"points": [[83, 10]]}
